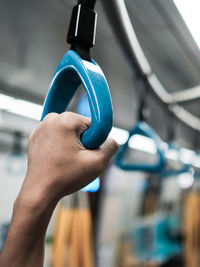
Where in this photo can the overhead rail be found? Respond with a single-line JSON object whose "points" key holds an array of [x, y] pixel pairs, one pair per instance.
{"points": [[187, 95], [182, 96], [124, 31]]}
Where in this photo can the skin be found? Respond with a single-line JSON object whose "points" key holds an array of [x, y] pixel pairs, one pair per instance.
{"points": [[58, 165]]}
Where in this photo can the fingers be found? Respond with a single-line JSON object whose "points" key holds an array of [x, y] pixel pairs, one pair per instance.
{"points": [[97, 160], [109, 148], [68, 121], [75, 122]]}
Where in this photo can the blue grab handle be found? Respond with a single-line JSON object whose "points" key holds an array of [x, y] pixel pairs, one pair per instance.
{"points": [[165, 173], [142, 128], [70, 73]]}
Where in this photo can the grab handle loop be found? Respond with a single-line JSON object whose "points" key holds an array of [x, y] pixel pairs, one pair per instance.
{"points": [[142, 128], [70, 73]]}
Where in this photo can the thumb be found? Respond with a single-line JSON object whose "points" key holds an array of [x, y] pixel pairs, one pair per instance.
{"points": [[98, 159], [109, 148]]}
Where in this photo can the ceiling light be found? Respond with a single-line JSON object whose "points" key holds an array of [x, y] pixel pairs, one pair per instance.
{"points": [[187, 156], [20, 107], [142, 143], [138, 142], [185, 180], [189, 10], [119, 135], [172, 154], [196, 162]]}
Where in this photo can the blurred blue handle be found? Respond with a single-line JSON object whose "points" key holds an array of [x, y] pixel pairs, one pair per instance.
{"points": [[70, 73], [184, 168], [142, 128]]}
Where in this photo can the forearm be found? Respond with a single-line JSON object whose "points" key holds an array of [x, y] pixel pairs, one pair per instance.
{"points": [[24, 245]]}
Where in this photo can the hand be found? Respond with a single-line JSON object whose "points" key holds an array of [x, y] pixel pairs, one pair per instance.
{"points": [[58, 164]]}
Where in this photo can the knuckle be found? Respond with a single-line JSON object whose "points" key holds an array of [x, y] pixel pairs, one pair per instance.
{"points": [[66, 123], [67, 115], [50, 117], [69, 120]]}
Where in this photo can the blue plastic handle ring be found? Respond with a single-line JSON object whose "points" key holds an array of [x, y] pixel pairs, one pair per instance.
{"points": [[142, 128], [70, 73]]}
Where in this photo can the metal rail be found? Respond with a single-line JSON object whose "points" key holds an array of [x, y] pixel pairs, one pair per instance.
{"points": [[187, 95], [124, 31]]}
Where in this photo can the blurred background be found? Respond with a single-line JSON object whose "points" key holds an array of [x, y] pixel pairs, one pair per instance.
{"points": [[137, 217]]}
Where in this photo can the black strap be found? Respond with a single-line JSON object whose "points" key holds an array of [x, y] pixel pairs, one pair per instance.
{"points": [[142, 100], [88, 3], [82, 28]]}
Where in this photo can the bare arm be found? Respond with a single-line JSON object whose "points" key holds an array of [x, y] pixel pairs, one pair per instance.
{"points": [[58, 165]]}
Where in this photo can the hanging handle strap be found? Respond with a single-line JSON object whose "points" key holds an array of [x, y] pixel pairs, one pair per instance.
{"points": [[71, 72], [142, 128]]}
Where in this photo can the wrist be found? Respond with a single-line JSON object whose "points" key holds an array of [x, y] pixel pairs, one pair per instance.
{"points": [[28, 228], [32, 215], [35, 197], [32, 205]]}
